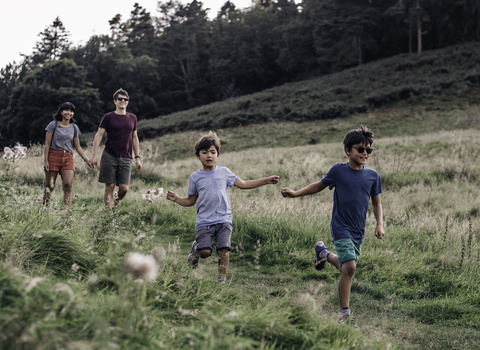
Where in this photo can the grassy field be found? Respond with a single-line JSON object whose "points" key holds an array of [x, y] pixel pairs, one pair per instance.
{"points": [[64, 282]]}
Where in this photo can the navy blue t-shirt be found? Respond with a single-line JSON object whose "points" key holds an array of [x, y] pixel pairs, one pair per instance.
{"points": [[353, 189]]}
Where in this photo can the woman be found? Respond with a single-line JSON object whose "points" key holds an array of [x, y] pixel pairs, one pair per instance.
{"points": [[61, 138]]}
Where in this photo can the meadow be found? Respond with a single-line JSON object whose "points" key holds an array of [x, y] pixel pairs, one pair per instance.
{"points": [[64, 282]]}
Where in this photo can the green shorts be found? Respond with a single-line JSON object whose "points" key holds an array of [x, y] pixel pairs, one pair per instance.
{"points": [[114, 170], [347, 250]]}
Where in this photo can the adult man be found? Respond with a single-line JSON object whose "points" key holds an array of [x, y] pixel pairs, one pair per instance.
{"points": [[115, 165]]}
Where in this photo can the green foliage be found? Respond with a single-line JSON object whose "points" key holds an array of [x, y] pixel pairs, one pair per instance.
{"points": [[37, 97], [54, 42]]}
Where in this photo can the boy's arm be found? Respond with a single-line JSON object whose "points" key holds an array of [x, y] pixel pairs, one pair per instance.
{"points": [[183, 201], [246, 185], [310, 189], [378, 212]]}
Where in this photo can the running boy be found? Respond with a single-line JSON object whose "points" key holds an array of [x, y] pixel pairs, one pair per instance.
{"points": [[208, 190], [354, 185]]}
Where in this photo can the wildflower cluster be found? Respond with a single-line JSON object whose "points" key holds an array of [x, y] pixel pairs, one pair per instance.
{"points": [[150, 195], [142, 265], [18, 152]]}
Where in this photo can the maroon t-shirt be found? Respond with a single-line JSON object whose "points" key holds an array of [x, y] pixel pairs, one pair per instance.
{"points": [[119, 130]]}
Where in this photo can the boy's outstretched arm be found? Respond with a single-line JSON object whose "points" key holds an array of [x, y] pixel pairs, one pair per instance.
{"points": [[378, 212], [183, 201], [246, 185], [310, 189]]}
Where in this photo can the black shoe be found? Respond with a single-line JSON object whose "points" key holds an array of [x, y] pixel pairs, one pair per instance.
{"points": [[193, 257]]}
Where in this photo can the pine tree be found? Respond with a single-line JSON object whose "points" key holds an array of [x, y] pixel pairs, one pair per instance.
{"points": [[54, 42]]}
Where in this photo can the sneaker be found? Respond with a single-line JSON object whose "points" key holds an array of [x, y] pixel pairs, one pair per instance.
{"points": [[321, 254], [346, 319], [193, 257], [220, 279]]}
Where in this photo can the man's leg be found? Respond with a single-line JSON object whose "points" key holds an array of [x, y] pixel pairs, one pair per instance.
{"points": [[108, 196], [122, 191]]}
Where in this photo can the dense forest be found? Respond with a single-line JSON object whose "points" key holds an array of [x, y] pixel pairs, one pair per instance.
{"points": [[179, 58]]}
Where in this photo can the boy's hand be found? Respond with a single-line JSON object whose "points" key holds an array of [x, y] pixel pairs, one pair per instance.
{"points": [[171, 196], [286, 192], [273, 180], [379, 231]]}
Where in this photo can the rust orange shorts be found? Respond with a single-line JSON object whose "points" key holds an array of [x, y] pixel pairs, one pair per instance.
{"points": [[60, 160]]}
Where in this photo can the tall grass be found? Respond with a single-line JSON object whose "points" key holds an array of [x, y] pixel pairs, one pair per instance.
{"points": [[64, 281]]}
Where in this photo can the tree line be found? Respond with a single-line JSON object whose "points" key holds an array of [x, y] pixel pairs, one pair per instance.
{"points": [[179, 58]]}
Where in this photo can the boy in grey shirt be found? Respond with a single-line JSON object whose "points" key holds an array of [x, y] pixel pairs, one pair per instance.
{"points": [[208, 189]]}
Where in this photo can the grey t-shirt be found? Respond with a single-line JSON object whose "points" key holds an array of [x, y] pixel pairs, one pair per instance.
{"points": [[62, 139], [211, 189]]}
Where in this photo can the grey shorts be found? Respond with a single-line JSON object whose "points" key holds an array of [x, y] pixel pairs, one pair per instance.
{"points": [[223, 237], [114, 170]]}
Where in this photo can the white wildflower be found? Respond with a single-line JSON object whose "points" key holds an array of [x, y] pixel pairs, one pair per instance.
{"points": [[75, 267], [143, 265], [150, 195], [156, 192], [8, 153], [147, 197], [20, 151]]}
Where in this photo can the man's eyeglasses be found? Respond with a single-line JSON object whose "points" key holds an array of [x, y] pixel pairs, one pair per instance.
{"points": [[122, 99], [361, 149]]}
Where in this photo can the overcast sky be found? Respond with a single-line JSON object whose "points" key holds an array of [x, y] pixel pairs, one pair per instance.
{"points": [[22, 20]]}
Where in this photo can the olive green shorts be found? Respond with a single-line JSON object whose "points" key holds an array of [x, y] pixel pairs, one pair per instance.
{"points": [[347, 250], [114, 170]]}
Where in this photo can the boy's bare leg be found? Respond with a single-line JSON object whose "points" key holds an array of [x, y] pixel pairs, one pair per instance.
{"points": [[223, 260], [332, 259], [345, 283]]}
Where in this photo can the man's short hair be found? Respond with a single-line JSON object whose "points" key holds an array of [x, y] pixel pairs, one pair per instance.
{"points": [[362, 135], [206, 141], [120, 92]]}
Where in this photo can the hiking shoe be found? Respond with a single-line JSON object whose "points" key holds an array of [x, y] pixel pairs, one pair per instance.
{"points": [[220, 279], [321, 254], [193, 257]]}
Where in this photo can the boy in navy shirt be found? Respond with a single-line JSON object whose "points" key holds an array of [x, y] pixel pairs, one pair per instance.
{"points": [[354, 185], [208, 189]]}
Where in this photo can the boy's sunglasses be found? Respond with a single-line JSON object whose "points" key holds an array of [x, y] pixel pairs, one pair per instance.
{"points": [[361, 149], [122, 99]]}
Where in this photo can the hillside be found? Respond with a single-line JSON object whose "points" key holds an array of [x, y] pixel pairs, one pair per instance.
{"points": [[443, 75]]}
